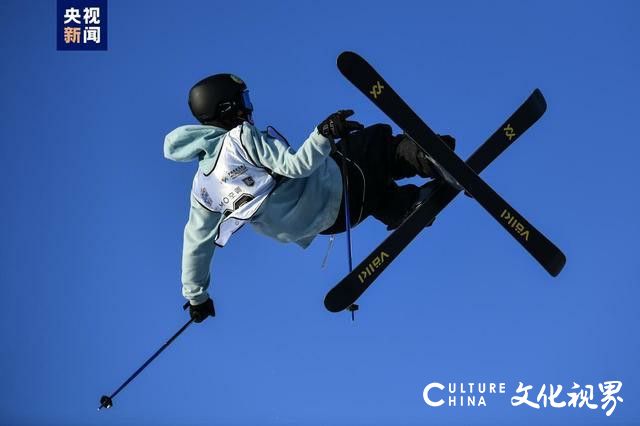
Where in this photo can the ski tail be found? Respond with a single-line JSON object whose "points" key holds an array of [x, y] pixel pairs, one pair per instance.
{"points": [[520, 121]]}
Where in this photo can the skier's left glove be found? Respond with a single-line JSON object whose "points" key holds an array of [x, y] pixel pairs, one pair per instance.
{"points": [[202, 311], [448, 140], [337, 126]]}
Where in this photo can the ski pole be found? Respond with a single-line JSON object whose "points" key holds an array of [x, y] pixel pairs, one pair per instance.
{"points": [[107, 401], [347, 214]]}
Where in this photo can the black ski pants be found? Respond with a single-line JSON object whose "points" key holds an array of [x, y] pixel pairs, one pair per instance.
{"points": [[375, 160]]}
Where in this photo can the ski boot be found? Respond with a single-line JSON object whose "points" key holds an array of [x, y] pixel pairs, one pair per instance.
{"points": [[424, 193], [427, 163]]}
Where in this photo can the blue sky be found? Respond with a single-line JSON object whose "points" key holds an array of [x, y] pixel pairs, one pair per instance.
{"points": [[93, 217]]}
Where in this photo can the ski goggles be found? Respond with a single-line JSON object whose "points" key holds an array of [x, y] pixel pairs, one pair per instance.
{"points": [[246, 101]]}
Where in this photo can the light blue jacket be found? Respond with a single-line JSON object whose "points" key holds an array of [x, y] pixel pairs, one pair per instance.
{"points": [[305, 202]]}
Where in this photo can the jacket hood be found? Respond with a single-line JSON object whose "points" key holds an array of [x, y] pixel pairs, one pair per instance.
{"points": [[194, 142]]}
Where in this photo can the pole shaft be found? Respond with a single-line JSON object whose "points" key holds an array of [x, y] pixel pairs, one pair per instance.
{"points": [[154, 356], [347, 208]]}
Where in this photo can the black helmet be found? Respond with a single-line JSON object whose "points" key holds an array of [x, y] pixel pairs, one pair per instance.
{"points": [[218, 97]]}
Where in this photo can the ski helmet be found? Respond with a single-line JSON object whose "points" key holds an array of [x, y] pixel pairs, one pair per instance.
{"points": [[219, 96]]}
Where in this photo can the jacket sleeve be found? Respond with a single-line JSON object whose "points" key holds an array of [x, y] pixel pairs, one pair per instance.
{"points": [[279, 157], [197, 251]]}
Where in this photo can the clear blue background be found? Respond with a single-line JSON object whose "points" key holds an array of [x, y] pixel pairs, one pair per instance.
{"points": [[92, 217]]}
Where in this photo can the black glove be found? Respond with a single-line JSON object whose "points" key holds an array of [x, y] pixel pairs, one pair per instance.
{"points": [[200, 312], [336, 125], [449, 140]]}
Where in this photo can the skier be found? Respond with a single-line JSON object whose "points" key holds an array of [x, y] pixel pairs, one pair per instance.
{"points": [[246, 175]]}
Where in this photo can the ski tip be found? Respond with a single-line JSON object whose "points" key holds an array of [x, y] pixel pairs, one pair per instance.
{"points": [[340, 297], [555, 267], [347, 54], [331, 305], [540, 100], [346, 58], [331, 308]]}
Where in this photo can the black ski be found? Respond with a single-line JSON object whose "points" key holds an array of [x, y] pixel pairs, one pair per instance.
{"points": [[347, 291], [372, 85]]}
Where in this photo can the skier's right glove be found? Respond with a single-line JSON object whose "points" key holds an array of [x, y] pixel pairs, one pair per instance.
{"points": [[200, 312], [337, 126]]}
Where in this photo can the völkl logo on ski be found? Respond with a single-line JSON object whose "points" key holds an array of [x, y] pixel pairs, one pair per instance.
{"points": [[508, 132], [370, 268], [515, 224], [376, 90]]}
